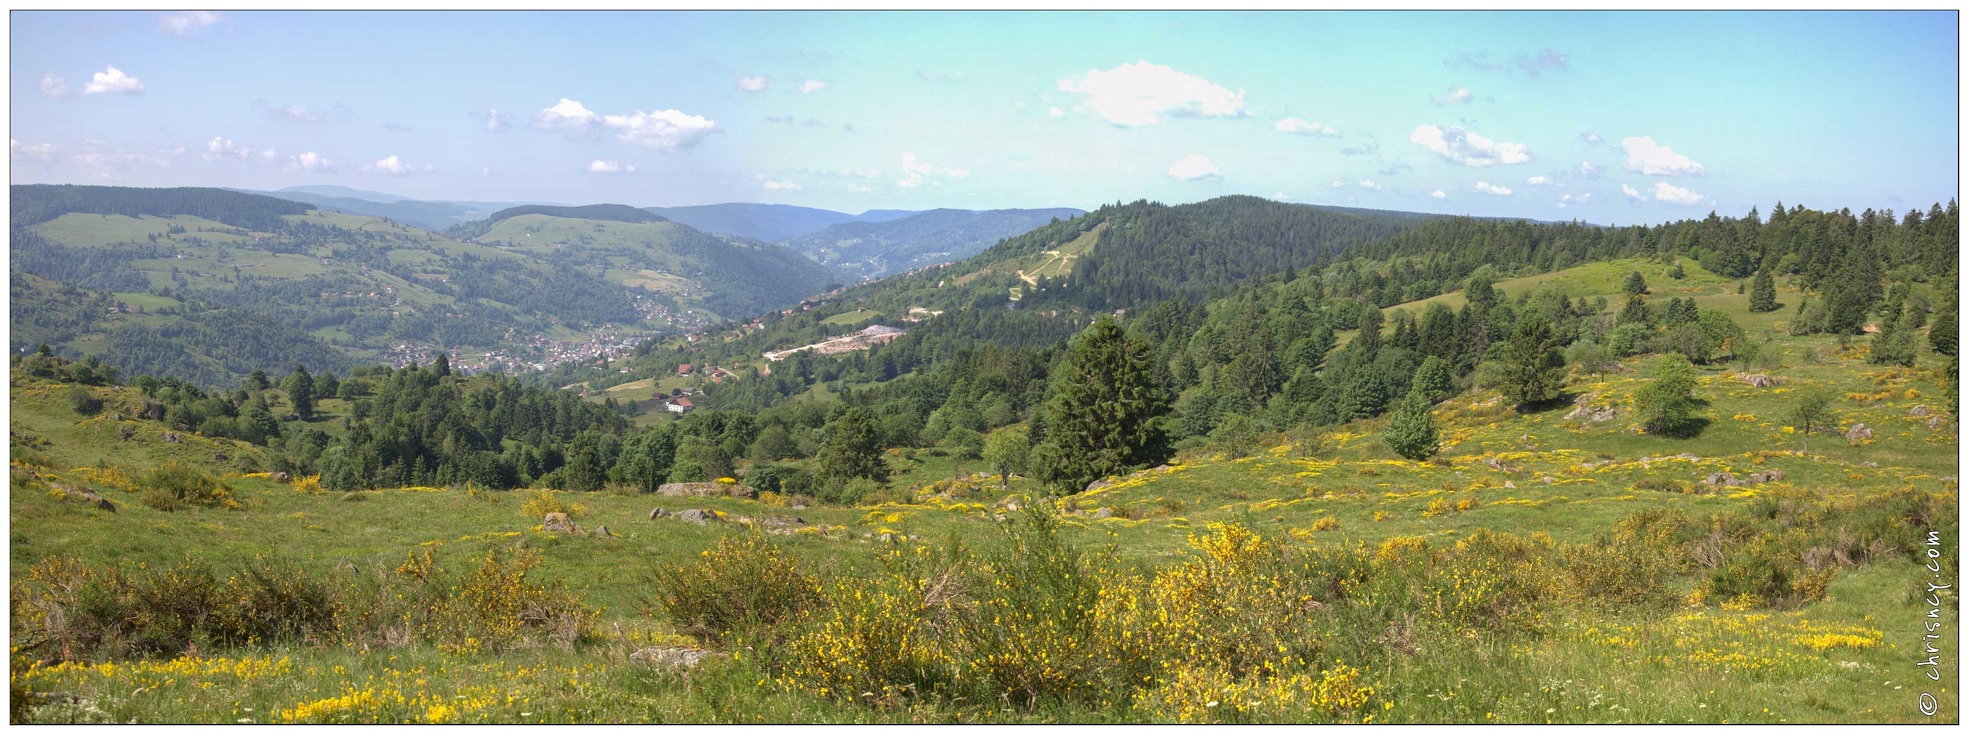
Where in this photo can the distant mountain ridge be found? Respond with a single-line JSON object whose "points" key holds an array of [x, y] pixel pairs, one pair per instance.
{"points": [[873, 249]]}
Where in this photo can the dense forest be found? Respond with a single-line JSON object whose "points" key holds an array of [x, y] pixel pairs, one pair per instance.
{"points": [[37, 203]]}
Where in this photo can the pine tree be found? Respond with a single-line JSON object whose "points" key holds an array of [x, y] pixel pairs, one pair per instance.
{"points": [[1432, 379], [1534, 370], [1895, 344], [1105, 415], [1634, 284], [1411, 430], [1763, 293], [1675, 271], [1635, 312], [1364, 397], [853, 450]]}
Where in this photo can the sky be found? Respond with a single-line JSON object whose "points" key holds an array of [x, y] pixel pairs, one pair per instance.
{"points": [[1607, 117]]}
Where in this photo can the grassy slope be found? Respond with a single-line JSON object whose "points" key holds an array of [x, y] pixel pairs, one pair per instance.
{"points": [[1589, 668]]}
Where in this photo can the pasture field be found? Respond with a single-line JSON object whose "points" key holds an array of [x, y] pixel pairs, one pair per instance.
{"points": [[1545, 567]]}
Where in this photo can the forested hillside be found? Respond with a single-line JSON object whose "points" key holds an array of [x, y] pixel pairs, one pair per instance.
{"points": [[868, 250]]}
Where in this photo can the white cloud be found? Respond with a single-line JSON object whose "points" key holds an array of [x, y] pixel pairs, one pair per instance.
{"points": [[1369, 185], [312, 162], [1588, 171], [113, 81], [1537, 181], [664, 130], [811, 85], [294, 114], [496, 121], [1297, 126], [1138, 94], [754, 84], [915, 172], [1592, 138], [1665, 192], [53, 86], [1194, 168], [1056, 112], [1437, 194], [391, 166], [772, 185], [220, 147], [42, 153], [1493, 189], [860, 187], [1565, 199], [568, 115], [106, 164], [187, 23], [1457, 94], [957, 173], [485, 171], [1657, 160], [1467, 148], [1632, 193], [1281, 196], [599, 166], [1337, 184]]}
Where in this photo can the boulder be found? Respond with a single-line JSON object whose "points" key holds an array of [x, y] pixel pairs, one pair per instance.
{"points": [[1919, 411], [1761, 381], [1937, 421], [558, 523], [1765, 476], [1869, 464], [682, 658], [1103, 513], [659, 513], [782, 521], [698, 516], [602, 531], [89, 496], [1721, 479], [282, 477], [705, 489], [1858, 432], [172, 437]]}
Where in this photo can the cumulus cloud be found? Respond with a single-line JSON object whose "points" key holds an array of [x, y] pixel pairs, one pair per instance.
{"points": [[392, 166], [773, 185], [294, 114], [566, 115], [1138, 94], [1281, 196], [1588, 171], [113, 81], [1467, 148], [811, 85], [1665, 192], [187, 23], [1632, 193], [220, 148], [754, 84], [1194, 168], [599, 166], [312, 162], [1056, 112], [1537, 181], [1457, 94], [664, 130], [1370, 185], [1437, 194], [1493, 189], [41, 153], [1644, 156], [1592, 138], [1296, 126], [53, 86], [1565, 199]]}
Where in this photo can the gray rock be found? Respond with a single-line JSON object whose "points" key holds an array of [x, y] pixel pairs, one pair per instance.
{"points": [[1721, 479], [1869, 464], [1937, 421], [705, 489], [1761, 381], [602, 531], [698, 516], [1919, 411], [282, 477], [659, 513], [683, 658], [1858, 432], [1103, 513], [558, 523]]}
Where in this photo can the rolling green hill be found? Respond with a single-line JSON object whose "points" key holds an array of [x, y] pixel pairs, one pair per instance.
{"points": [[868, 250]]}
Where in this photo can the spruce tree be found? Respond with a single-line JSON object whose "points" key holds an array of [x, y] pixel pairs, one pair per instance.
{"points": [[1668, 402], [1635, 312], [853, 450], [1534, 370], [1432, 379], [1763, 293], [1942, 328], [1411, 430], [1634, 285], [1364, 397], [1105, 415]]}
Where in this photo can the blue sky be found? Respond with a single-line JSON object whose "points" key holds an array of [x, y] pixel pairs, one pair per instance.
{"points": [[1602, 116]]}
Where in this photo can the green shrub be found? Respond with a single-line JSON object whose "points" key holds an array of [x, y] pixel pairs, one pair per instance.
{"points": [[171, 486], [741, 586]]}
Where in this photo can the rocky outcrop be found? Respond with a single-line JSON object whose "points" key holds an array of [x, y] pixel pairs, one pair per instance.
{"points": [[705, 489]]}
